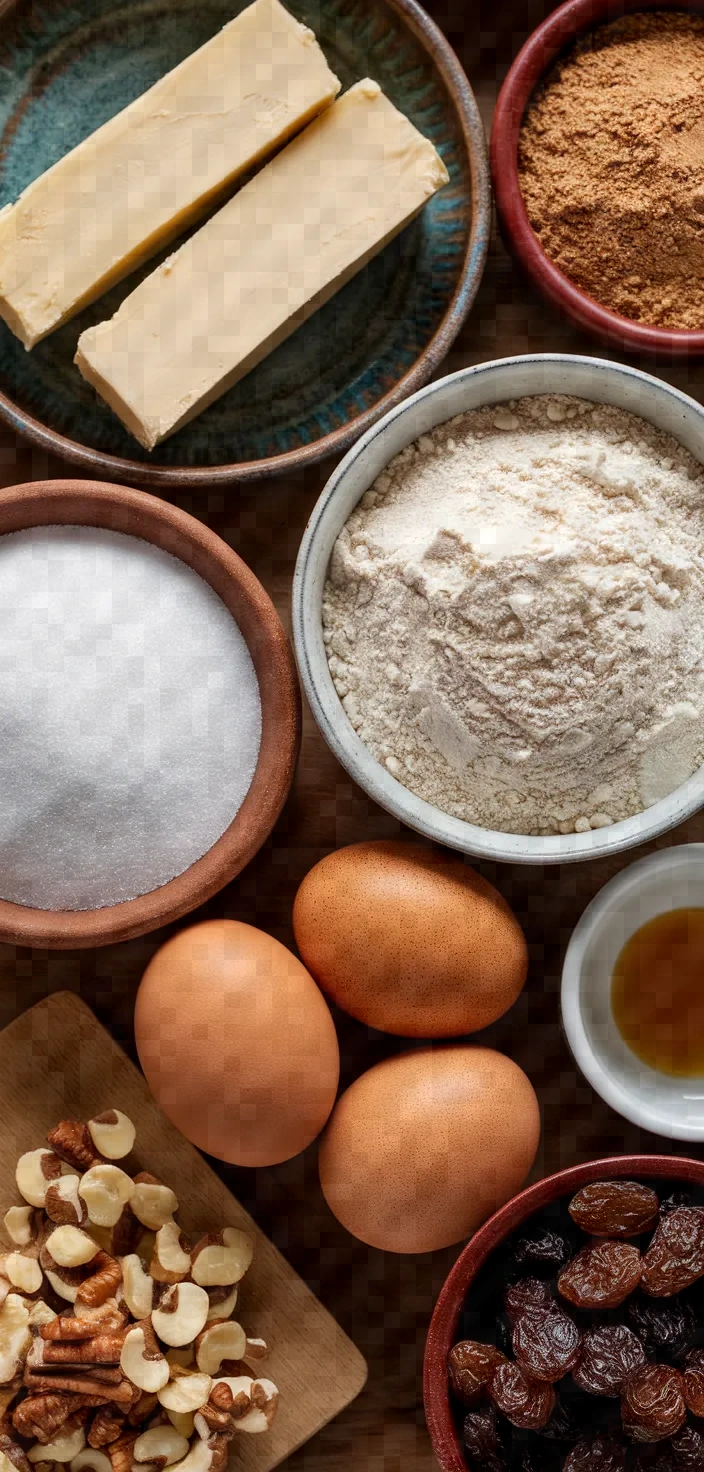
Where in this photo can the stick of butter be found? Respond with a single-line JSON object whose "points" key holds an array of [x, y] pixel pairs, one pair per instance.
{"points": [[150, 171], [274, 254]]}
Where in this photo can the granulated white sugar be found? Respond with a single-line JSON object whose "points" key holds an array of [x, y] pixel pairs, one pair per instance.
{"points": [[514, 616], [130, 718]]}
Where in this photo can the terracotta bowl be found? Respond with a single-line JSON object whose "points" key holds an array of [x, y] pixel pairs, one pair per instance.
{"points": [[442, 1333], [88, 503], [555, 34]]}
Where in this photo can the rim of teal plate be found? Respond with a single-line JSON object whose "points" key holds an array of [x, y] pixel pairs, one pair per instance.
{"points": [[117, 467]]}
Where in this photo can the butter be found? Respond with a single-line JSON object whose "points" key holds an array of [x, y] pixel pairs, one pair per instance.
{"points": [[154, 168], [263, 264]]}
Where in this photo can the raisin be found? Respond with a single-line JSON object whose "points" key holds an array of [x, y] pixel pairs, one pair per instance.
{"points": [[673, 1201], [544, 1252], [471, 1366], [685, 1452], [694, 1382], [614, 1209], [526, 1403], [482, 1442], [546, 1342], [653, 1403], [528, 1293], [562, 1426], [601, 1275], [675, 1257], [664, 1329], [597, 1454], [609, 1355]]}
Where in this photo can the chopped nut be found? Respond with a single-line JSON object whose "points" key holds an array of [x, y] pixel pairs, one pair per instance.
{"points": [[12, 1455], [106, 1426], [181, 1314], [222, 1259], [63, 1203], [186, 1392], [91, 1458], [141, 1359], [64, 1281], [205, 1456], [152, 1203], [20, 1225], [263, 1396], [112, 1133], [137, 1287], [184, 1422], [108, 1314], [171, 1262], [106, 1190], [162, 1444], [23, 1272], [15, 1336], [64, 1449], [120, 1452], [222, 1340], [143, 1408], [70, 1248], [223, 1302], [125, 1234], [40, 1314], [72, 1142], [257, 1349], [33, 1173]]}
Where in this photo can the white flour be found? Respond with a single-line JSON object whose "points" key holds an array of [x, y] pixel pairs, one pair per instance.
{"points": [[514, 616]]}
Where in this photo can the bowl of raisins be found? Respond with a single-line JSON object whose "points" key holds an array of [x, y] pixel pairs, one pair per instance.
{"points": [[569, 1336]]}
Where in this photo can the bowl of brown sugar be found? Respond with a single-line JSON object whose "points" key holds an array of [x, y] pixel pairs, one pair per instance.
{"points": [[597, 155]]}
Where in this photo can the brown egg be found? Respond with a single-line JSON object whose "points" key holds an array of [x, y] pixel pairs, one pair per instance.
{"points": [[237, 1043], [409, 939], [425, 1146]]}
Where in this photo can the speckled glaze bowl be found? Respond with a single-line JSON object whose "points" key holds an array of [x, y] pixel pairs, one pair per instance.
{"points": [[120, 509], [444, 1325], [66, 66], [556, 34]]}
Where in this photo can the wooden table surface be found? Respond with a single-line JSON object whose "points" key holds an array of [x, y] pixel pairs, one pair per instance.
{"points": [[383, 1302]]}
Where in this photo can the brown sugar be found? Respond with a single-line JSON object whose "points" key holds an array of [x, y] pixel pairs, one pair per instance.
{"points": [[611, 165]]}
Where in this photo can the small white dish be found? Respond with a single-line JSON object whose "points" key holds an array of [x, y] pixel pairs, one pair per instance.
{"points": [[488, 383], [672, 879]]}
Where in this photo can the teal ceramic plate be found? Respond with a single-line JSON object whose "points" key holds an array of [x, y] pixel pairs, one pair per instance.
{"points": [[68, 65]]}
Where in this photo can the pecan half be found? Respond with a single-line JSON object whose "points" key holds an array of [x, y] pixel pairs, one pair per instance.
{"points": [[99, 1387], [103, 1281], [120, 1452], [72, 1141], [101, 1349], [106, 1427], [40, 1417]]}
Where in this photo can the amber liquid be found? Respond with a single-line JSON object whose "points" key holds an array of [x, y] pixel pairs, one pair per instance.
{"points": [[657, 993]]}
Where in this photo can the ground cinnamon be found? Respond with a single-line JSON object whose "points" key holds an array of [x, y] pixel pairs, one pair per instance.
{"points": [[611, 164]]}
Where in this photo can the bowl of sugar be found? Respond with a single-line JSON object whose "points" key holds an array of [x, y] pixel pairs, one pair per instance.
{"points": [[149, 714]]}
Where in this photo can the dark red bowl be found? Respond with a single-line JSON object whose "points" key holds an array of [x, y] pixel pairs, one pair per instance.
{"points": [[442, 1333], [540, 51]]}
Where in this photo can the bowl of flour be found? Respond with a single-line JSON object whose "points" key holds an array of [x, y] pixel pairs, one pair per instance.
{"points": [[499, 609], [149, 714]]}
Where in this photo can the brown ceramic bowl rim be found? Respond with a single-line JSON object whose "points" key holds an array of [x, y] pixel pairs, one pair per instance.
{"points": [[533, 60], [443, 1325], [161, 477], [121, 509]]}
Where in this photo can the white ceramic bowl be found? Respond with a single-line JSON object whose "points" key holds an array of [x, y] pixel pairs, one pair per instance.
{"points": [[489, 383], [669, 880]]}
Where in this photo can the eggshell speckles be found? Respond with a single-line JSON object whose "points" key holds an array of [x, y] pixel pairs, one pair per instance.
{"points": [[237, 1043], [425, 1146], [409, 940]]}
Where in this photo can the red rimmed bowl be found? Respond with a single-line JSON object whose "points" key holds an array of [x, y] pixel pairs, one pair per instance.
{"points": [[556, 34], [442, 1333]]}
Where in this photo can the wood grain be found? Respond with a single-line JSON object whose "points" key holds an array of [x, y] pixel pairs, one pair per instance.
{"points": [[57, 1062]]}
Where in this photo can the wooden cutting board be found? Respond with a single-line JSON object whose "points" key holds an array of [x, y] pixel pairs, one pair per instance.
{"points": [[57, 1062]]}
